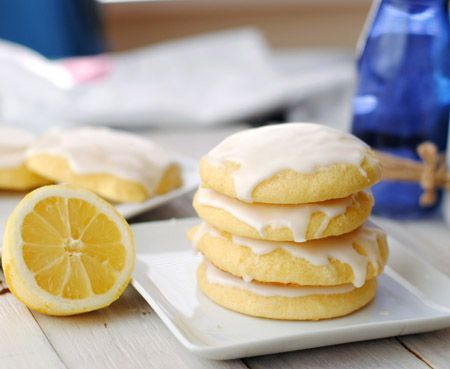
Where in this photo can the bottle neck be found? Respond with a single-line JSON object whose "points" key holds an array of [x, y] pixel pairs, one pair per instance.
{"points": [[413, 16]]}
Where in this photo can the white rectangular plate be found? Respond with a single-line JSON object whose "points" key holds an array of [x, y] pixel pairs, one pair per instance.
{"points": [[9, 200], [412, 297]]}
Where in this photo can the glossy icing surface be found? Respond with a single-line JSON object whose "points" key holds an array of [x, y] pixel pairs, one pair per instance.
{"points": [[260, 216], [301, 147], [13, 144]]}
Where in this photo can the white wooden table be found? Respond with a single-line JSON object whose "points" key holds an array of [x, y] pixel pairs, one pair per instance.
{"points": [[128, 334]]}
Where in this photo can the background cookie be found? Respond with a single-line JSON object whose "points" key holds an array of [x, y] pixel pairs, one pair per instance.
{"points": [[308, 221], [14, 175], [109, 186], [119, 166], [290, 164], [20, 179], [352, 258], [309, 307]]}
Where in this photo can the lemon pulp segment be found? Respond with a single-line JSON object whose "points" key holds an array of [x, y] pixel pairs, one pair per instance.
{"points": [[72, 249]]}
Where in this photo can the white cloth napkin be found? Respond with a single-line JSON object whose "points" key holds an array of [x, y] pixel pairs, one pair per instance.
{"points": [[206, 80]]}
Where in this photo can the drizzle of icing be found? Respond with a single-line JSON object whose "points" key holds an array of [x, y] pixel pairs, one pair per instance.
{"points": [[260, 216], [217, 276], [202, 229], [301, 147], [319, 252], [94, 150], [13, 143]]}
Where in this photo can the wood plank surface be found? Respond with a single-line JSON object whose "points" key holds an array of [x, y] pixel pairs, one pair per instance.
{"points": [[433, 347], [380, 354], [127, 334], [431, 240], [22, 342]]}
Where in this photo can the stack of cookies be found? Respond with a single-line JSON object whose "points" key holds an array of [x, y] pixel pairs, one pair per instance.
{"points": [[285, 233], [119, 166]]}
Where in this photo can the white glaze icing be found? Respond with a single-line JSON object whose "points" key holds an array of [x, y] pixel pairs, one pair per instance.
{"points": [[94, 150], [319, 252], [260, 216], [13, 143], [301, 147], [202, 229], [217, 276]]}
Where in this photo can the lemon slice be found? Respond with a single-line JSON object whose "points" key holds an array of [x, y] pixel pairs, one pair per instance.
{"points": [[67, 251]]}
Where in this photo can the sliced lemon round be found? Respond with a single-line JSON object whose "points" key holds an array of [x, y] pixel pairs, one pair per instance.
{"points": [[67, 251]]}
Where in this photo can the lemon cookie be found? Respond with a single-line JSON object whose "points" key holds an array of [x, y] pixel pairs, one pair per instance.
{"points": [[277, 301], [119, 166], [351, 258], [290, 164], [283, 222], [14, 175]]}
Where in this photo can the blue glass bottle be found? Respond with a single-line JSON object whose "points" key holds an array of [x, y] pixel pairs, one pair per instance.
{"points": [[54, 28], [403, 91]]}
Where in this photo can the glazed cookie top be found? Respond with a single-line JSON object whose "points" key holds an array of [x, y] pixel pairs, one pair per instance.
{"points": [[13, 143], [98, 150], [290, 163]]}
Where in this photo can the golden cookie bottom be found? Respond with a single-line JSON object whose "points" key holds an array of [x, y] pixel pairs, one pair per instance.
{"points": [[20, 179], [310, 307], [106, 185]]}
